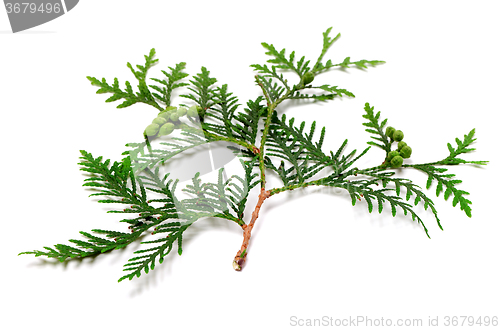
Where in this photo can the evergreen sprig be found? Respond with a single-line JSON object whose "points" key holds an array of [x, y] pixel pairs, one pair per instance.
{"points": [[282, 62], [146, 260], [144, 95], [376, 127], [462, 148], [327, 43], [204, 91], [447, 181], [361, 188], [260, 136], [294, 145], [172, 82], [333, 92]]}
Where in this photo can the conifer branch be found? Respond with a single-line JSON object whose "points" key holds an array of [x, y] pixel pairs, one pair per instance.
{"points": [[171, 83], [144, 95], [327, 43], [217, 115], [376, 127]]}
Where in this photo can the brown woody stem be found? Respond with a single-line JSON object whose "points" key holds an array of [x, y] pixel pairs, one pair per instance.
{"points": [[240, 257]]}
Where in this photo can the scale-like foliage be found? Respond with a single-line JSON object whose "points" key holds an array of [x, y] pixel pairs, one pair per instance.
{"points": [[171, 83], [144, 95], [327, 43], [145, 156], [276, 86], [462, 148], [259, 137], [225, 199], [413, 190], [222, 113], [146, 259], [282, 62], [376, 127], [265, 72], [203, 89], [246, 124], [361, 189], [118, 183], [306, 157], [447, 181], [333, 92]]}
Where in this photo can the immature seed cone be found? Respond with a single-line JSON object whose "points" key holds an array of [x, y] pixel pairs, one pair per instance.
{"points": [[398, 135], [308, 78], [166, 129], [192, 111], [401, 144], [397, 161], [389, 131], [159, 120], [392, 154], [164, 114], [152, 129], [174, 116], [181, 111], [405, 152]]}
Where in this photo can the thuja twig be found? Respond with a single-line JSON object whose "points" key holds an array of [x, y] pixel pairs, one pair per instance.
{"points": [[215, 115]]}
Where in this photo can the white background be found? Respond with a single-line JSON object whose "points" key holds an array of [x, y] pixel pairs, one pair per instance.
{"points": [[312, 254]]}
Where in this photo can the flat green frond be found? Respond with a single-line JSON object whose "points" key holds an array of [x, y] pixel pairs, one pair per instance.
{"points": [[203, 90], [297, 147], [146, 260], [333, 92], [336, 91], [376, 127], [273, 90], [411, 190], [144, 157], [224, 199], [112, 181], [247, 121], [265, 72], [448, 182], [362, 189], [360, 64], [228, 123], [171, 82], [462, 148], [327, 43], [94, 245], [143, 69], [319, 67], [280, 60], [130, 97], [348, 164]]}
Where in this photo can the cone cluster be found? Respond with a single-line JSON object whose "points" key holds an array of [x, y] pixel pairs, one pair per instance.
{"points": [[168, 120], [395, 157]]}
